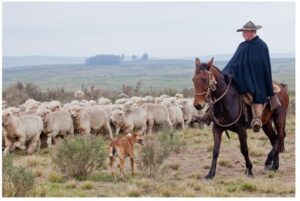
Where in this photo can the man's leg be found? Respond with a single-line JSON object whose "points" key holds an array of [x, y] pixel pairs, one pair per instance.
{"points": [[257, 110]]}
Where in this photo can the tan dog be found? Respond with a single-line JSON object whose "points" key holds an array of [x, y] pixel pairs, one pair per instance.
{"points": [[122, 147]]}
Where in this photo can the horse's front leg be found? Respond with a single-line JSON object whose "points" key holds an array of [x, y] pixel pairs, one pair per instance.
{"points": [[244, 149], [217, 133]]}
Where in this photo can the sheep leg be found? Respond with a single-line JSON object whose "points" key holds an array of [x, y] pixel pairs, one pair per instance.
{"points": [[49, 140], [150, 125], [71, 131], [118, 130], [21, 142], [170, 124], [33, 144], [142, 130], [183, 125], [107, 128], [8, 146]]}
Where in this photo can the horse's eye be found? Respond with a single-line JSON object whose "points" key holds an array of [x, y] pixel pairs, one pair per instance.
{"points": [[204, 79]]}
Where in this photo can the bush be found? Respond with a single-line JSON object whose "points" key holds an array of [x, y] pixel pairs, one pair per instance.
{"points": [[55, 178], [157, 148], [80, 156], [17, 181]]}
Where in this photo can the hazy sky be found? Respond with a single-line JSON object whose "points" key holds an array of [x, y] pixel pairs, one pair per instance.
{"points": [[160, 29]]}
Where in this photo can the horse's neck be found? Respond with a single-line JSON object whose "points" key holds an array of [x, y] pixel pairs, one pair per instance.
{"points": [[221, 85], [229, 93]]}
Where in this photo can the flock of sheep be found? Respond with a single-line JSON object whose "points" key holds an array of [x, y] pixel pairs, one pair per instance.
{"points": [[23, 126]]}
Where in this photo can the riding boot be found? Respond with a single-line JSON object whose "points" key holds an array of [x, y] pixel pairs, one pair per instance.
{"points": [[256, 123]]}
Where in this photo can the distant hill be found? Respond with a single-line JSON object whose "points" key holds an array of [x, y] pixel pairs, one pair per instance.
{"points": [[154, 74], [13, 61], [36, 60], [226, 57]]}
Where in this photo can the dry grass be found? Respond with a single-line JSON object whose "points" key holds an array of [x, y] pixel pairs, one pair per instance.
{"points": [[182, 174], [87, 185]]}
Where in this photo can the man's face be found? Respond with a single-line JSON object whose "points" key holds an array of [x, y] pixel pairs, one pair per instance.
{"points": [[248, 35]]}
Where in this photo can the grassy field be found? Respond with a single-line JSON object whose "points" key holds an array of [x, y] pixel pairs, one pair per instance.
{"points": [[154, 74], [181, 175]]}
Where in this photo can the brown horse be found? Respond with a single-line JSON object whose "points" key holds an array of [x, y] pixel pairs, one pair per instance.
{"points": [[227, 111]]}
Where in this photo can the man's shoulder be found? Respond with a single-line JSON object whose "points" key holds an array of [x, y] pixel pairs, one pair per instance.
{"points": [[261, 41]]}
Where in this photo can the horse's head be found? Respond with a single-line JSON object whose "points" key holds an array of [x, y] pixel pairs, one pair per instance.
{"points": [[201, 79]]}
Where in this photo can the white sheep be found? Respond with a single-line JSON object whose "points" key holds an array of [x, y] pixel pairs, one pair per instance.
{"points": [[54, 106], [90, 119], [57, 123], [19, 131], [79, 95], [175, 113], [157, 115], [104, 101], [130, 120]]}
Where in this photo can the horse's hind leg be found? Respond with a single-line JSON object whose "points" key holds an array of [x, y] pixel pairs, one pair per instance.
{"points": [[269, 131], [245, 152], [279, 145], [217, 142]]}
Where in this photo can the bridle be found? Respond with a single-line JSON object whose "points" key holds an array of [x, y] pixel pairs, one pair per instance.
{"points": [[211, 101], [211, 85]]}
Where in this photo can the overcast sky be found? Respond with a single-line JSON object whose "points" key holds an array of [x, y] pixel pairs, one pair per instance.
{"points": [[160, 29]]}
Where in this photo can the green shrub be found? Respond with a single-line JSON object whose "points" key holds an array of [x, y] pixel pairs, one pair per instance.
{"points": [[134, 193], [171, 141], [248, 187], [55, 178], [88, 185], [153, 154], [80, 156], [157, 148], [17, 181]]}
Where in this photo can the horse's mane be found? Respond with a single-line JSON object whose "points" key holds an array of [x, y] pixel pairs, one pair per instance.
{"points": [[226, 77], [203, 66]]}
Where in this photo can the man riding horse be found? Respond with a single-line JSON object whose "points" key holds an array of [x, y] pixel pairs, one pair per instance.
{"points": [[248, 72], [250, 68]]}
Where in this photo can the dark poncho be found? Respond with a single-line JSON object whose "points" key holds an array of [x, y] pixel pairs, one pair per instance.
{"points": [[250, 68]]}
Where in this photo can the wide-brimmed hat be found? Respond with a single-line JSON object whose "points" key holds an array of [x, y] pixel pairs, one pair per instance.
{"points": [[249, 26]]}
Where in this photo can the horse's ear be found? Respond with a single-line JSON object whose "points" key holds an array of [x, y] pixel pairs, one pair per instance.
{"points": [[197, 61], [209, 64]]}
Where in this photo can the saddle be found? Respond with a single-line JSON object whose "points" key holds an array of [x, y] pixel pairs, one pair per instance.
{"points": [[272, 101]]}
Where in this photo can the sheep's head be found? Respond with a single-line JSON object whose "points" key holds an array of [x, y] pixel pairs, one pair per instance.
{"points": [[6, 118], [117, 116], [75, 110], [44, 113]]}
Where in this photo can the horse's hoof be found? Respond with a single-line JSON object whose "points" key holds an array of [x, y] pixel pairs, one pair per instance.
{"points": [[249, 174], [208, 177], [271, 167], [268, 163]]}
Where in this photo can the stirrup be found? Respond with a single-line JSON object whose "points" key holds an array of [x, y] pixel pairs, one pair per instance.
{"points": [[256, 124]]}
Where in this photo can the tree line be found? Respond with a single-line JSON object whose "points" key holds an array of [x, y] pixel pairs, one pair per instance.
{"points": [[106, 60]]}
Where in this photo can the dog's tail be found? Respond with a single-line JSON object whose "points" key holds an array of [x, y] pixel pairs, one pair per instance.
{"points": [[112, 151]]}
